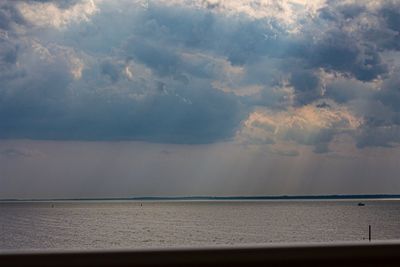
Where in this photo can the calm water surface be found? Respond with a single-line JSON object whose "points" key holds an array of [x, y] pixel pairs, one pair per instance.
{"points": [[105, 225]]}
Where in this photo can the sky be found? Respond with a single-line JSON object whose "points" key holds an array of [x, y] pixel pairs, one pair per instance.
{"points": [[102, 98]]}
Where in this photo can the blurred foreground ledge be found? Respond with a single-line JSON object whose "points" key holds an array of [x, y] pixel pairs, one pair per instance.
{"points": [[336, 254]]}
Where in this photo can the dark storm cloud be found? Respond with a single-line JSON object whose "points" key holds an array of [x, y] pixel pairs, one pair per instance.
{"points": [[340, 53], [162, 60], [357, 54], [110, 70], [240, 39], [158, 119], [389, 94], [36, 101], [306, 84], [383, 136], [64, 4], [9, 15], [149, 73]]}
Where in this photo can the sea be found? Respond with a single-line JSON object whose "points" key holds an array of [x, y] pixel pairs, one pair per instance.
{"points": [[77, 225]]}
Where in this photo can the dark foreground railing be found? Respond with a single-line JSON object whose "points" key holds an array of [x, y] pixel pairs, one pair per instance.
{"points": [[371, 254]]}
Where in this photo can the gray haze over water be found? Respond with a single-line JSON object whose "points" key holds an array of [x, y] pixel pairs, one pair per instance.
{"points": [[133, 224]]}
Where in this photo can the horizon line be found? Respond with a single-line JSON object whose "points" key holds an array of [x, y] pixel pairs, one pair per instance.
{"points": [[205, 197]]}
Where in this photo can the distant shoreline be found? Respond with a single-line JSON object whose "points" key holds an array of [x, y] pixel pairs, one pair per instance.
{"points": [[156, 198]]}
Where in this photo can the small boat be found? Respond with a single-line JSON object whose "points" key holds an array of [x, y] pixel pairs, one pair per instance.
{"points": [[360, 204]]}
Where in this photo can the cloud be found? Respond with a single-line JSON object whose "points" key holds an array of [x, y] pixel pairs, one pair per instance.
{"points": [[56, 14], [200, 71], [315, 125], [382, 136], [285, 153], [18, 153], [110, 70], [287, 12], [156, 104], [10, 16]]}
